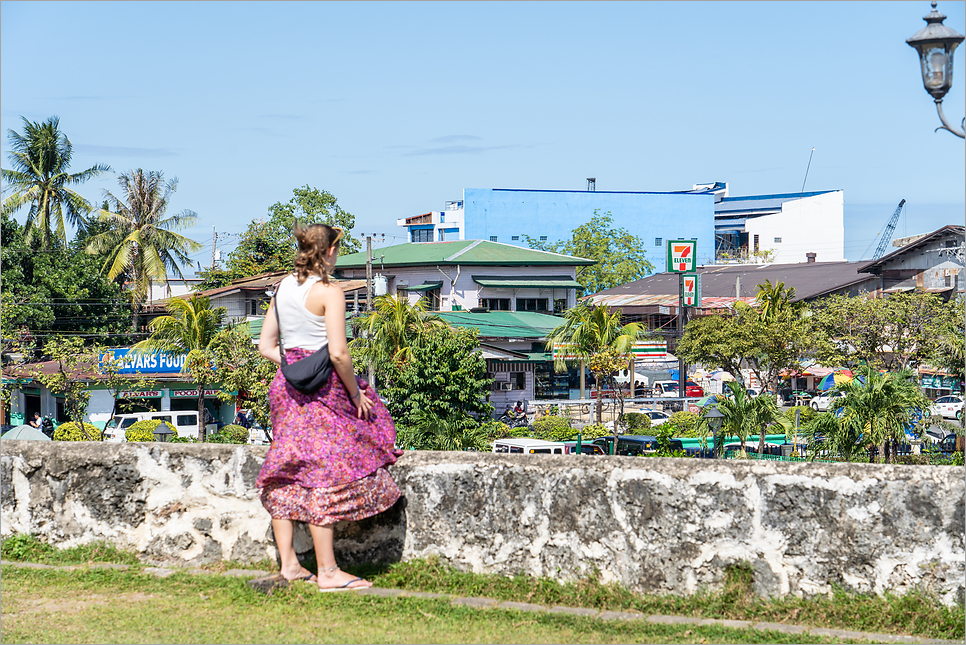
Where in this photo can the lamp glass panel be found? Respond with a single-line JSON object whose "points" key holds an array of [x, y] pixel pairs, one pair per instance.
{"points": [[934, 67]]}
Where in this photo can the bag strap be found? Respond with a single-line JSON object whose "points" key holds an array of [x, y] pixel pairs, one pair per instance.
{"points": [[281, 349]]}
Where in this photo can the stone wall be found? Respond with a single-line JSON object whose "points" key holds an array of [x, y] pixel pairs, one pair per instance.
{"points": [[654, 525]]}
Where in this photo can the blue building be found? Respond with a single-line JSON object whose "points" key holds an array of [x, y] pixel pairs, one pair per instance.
{"points": [[507, 215]]}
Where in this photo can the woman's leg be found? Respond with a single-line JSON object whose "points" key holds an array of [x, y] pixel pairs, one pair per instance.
{"points": [[329, 573], [291, 569]]}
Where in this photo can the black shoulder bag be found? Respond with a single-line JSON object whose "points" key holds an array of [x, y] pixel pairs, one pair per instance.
{"points": [[308, 374]]}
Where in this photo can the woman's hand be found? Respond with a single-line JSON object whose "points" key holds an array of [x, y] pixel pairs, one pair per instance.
{"points": [[363, 404]]}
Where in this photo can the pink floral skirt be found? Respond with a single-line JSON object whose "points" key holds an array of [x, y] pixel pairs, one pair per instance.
{"points": [[350, 502]]}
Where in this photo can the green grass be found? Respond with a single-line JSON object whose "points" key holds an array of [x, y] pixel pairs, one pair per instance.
{"points": [[914, 613], [109, 606]]}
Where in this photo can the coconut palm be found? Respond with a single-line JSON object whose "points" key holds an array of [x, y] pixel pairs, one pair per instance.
{"points": [[596, 336], [188, 330], [41, 158], [774, 299], [388, 330], [141, 243], [767, 415], [880, 406]]}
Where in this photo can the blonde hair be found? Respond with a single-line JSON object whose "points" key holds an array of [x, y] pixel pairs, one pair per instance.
{"points": [[314, 241]]}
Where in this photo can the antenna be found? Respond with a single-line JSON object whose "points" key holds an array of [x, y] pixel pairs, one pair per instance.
{"points": [[806, 171]]}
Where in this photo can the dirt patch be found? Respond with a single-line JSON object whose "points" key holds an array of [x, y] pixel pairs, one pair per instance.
{"points": [[76, 604]]}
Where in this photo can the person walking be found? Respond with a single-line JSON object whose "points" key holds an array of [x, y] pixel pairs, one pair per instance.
{"points": [[327, 462]]}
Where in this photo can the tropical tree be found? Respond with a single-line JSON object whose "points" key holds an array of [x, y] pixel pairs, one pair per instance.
{"points": [[189, 330], [825, 433], [41, 158], [774, 299], [244, 374], [141, 243], [595, 336], [386, 333], [882, 406], [739, 412], [430, 432]]}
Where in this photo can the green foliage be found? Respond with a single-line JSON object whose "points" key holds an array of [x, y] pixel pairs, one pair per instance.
{"points": [[140, 244], [24, 547], [593, 431], [430, 432], [683, 424], [445, 378], [270, 245], [241, 369], [664, 434], [87, 303], [497, 430], [552, 429], [72, 358], [805, 414], [71, 431], [383, 336], [177, 439], [620, 257], [144, 430], [234, 433], [637, 421], [40, 179]]}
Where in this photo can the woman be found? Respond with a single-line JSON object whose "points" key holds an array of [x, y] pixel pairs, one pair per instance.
{"points": [[330, 449]]}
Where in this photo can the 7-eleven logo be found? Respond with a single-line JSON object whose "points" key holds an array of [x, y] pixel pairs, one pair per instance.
{"points": [[681, 255], [690, 289]]}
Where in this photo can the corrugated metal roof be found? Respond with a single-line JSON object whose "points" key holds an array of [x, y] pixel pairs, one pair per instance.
{"points": [[810, 280], [876, 265], [527, 281], [465, 252], [504, 324]]}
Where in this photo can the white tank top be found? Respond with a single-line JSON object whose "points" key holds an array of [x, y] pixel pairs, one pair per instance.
{"points": [[299, 326]]}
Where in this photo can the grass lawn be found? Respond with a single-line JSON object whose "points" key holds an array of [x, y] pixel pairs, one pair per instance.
{"points": [[106, 606]]}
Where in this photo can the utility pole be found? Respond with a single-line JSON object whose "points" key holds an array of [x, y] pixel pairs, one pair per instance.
{"points": [[682, 368], [372, 370], [214, 243]]}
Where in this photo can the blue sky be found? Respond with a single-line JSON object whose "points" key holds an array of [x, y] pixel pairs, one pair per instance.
{"points": [[396, 107]]}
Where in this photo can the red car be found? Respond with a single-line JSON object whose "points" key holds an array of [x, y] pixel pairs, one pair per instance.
{"points": [[670, 388]]}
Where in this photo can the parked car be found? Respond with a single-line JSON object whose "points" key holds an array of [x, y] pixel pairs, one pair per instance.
{"points": [[669, 389], [823, 402], [936, 434], [529, 446], [184, 421], [948, 407], [657, 418], [585, 448]]}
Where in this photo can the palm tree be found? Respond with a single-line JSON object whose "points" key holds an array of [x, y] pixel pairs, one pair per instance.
{"points": [[596, 336], [745, 415], [774, 299], [188, 329], [389, 329], [880, 406], [141, 243], [41, 157]]}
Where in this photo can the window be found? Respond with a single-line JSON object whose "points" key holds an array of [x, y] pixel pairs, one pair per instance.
{"points": [[422, 235], [756, 243], [559, 305], [495, 304], [402, 292], [253, 307], [493, 238], [543, 238], [658, 241], [515, 238], [519, 380], [442, 218], [187, 420], [531, 304], [778, 240], [432, 300], [948, 280]]}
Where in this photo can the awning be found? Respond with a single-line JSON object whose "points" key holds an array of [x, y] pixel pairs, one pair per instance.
{"points": [[426, 286], [527, 281]]}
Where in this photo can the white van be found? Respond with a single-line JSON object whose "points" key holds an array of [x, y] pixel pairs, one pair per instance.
{"points": [[529, 446], [184, 421]]}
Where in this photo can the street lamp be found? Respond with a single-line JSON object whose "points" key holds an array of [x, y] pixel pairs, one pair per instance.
{"points": [[936, 43], [162, 432], [714, 419]]}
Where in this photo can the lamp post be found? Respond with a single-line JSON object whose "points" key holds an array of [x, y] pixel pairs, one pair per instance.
{"points": [[162, 432], [936, 43], [714, 419]]}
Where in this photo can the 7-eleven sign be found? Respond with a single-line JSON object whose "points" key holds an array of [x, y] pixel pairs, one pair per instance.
{"points": [[680, 255], [692, 289]]}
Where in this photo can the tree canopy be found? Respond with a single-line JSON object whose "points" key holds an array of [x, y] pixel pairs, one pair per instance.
{"points": [[620, 256], [269, 244]]}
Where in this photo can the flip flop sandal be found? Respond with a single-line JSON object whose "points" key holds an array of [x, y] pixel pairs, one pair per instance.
{"points": [[344, 587], [308, 577]]}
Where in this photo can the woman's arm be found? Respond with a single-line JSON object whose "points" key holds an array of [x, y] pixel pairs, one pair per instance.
{"points": [[268, 339], [329, 300]]}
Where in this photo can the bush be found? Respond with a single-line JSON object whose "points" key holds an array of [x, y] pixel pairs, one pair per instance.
{"points": [[594, 431], [230, 434], [496, 429], [637, 421], [177, 439], [144, 430], [552, 429], [684, 424], [807, 414], [70, 431]]}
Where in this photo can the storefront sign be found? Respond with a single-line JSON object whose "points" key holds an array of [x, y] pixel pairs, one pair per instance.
{"points": [[192, 394], [680, 255], [642, 350], [153, 363], [939, 382], [141, 394], [692, 289]]}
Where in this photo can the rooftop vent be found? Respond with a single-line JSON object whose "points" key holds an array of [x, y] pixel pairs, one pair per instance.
{"points": [[810, 258]]}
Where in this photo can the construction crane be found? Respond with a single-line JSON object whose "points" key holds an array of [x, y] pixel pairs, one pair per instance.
{"points": [[887, 233]]}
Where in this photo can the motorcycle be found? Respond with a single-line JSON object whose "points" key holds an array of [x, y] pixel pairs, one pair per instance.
{"points": [[515, 417], [47, 426]]}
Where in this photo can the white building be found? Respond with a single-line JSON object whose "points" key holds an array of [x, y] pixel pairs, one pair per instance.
{"points": [[436, 226]]}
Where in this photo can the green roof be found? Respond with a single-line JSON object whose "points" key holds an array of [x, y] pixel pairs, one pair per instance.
{"points": [[465, 252], [504, 324], [527, 281], [426, 286], [255, 326]]}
